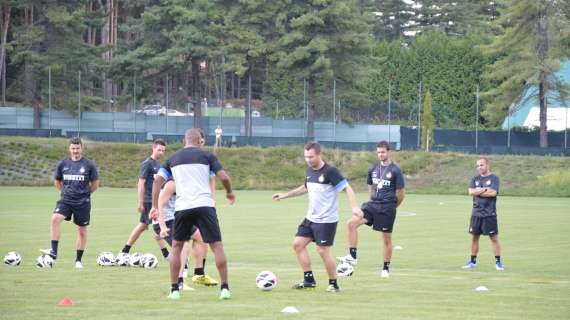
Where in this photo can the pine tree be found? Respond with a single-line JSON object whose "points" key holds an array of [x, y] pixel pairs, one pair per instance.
{"points": [[392, 19], [322, 40], [535, 37]]}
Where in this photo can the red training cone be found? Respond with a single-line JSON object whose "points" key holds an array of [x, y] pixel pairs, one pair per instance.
{"points": [[65, 302]]}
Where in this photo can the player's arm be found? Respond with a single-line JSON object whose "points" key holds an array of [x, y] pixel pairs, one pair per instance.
{"points": [[400, 195], [476, 192], [293, 193], [93, 185], [370, 190], [213, 187], [352, 201], [140, 193], [58, 177], [488, 193], [94, 178], [156, 185], [164, 196], [225, 179]]}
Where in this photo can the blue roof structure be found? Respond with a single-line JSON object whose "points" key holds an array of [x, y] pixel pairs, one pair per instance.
{"points": [[521, 110]]}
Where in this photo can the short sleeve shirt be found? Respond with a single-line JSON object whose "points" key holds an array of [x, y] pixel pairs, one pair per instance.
{"points": [[323, 186], [191, 169], [385, 181], [75, 177], [485, 206], [148, 169]]}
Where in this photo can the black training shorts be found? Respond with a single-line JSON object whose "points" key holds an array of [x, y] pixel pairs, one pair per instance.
{"points": [[484, 225], [321, 233], [204, 218], [169, 225], [81, 213], [380, 216]]}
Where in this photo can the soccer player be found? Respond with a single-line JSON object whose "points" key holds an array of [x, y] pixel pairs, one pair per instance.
{"points": [[199, 248], [77, 178], [166, 205], [386, 187], [190, 167], [484, 189], [323, 182], [148, 169]]}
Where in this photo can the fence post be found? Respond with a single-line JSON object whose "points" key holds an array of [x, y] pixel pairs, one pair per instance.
{"points": [[79, 104], [419, 115], [305, 118], [389, 111], [477, 120], [334, 110], [135, 107], [49, 100], [166, 108]]}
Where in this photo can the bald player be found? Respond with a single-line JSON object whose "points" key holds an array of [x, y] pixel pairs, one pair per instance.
{"points": [[484, 189], [190, 168]]}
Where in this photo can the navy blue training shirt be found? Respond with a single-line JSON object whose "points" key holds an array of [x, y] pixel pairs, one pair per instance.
{"points": [[75, 177]]}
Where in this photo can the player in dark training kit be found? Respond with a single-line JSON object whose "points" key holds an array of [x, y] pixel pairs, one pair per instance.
{"points": [[191, 167], [148, 169], [386, 187], [484, 189], [323, 182], [77, 178]]}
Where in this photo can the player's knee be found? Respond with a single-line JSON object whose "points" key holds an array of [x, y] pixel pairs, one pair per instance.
{"points": [[321, 250], [221, 261], [56, 218], [82, 231], [297, 246]]}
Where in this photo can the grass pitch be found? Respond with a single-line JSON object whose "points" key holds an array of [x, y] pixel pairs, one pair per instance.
{"points": [[426, 280]]}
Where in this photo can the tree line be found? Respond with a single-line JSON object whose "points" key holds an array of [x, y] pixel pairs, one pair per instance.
{"points": [[348, 60]]}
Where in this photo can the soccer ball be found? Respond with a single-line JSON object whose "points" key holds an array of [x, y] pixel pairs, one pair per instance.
{"points": [[344, 270], [266, 280], [135, 260], [12, 258], [149, 261], [44, 262], [122, 259], [106, 259]]}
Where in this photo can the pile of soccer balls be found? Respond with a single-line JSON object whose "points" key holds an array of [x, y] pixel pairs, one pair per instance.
{"points": [[14, 259], [105, 259], [108, 259]]}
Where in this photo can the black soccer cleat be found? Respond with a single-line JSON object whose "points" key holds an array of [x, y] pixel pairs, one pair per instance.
{"points": [[304, 285]]}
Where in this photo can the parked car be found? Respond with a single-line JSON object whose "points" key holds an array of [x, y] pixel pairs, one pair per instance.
{"points": [[175, 113], [153, 110]]}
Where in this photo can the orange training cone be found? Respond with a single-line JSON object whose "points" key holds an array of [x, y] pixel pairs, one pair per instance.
{"points": [[65, 302]]}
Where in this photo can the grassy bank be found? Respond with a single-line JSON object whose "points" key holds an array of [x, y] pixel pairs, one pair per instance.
{"points": [[31, 161]]}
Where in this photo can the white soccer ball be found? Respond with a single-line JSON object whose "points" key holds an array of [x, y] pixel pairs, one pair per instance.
{"points": [[44, 262], [135, 260], [122, 259], [266, 280], [344, 270], [149, 261], [106, 259], [12, 258]]}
